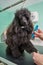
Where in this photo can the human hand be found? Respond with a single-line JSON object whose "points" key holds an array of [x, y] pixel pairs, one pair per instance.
{"points": [[38, 58], [39, 34]]}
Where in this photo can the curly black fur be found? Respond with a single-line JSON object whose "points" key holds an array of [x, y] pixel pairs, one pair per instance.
{"points": [[19, 33]]}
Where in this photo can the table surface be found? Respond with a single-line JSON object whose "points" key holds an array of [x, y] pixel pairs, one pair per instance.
{"points": [[27, 57]]}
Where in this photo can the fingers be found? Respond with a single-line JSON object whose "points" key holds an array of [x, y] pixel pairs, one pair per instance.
{"points": [[34, 58], [38, 58], [39, 31], [37, 34], [34, 54]]}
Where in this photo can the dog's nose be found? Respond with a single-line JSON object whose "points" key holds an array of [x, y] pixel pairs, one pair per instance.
{"points": [[25, 20]]}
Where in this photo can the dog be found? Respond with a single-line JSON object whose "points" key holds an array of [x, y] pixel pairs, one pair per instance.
{"points": [[19, 34]]}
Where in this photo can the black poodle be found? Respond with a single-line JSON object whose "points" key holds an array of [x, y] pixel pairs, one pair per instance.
{"points": [[19, 34]]}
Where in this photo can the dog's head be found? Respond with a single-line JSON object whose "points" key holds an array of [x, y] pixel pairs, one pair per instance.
{"points": [[23, 20]]}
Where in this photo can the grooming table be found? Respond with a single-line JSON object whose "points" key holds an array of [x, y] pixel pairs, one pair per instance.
{"points": [[26, 60]]}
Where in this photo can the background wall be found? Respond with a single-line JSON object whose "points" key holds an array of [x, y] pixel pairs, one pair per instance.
{"points": [[39, 8], [7, 16], [5, 3]]}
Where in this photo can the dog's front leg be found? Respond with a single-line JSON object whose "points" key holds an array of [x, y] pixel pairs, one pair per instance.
{"points": [[30, 48]]}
